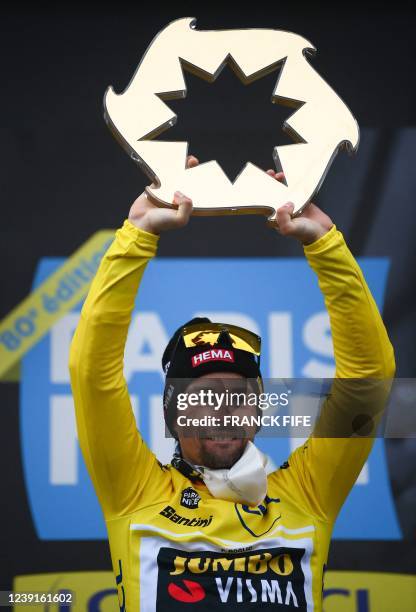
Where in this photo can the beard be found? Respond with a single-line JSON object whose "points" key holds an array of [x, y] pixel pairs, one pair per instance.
{"points": [[221, 454]]}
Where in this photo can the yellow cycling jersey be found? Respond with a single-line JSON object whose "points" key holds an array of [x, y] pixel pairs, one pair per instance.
{"points": [[172, 543]]}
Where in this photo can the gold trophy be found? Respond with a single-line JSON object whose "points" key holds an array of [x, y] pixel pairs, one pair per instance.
{"points": [[320, 125]]}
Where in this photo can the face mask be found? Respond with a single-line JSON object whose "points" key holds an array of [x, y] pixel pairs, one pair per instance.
{"points": [[245, 482]]}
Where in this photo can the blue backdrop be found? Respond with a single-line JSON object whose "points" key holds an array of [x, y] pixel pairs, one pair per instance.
{"points": [[278, 298]]}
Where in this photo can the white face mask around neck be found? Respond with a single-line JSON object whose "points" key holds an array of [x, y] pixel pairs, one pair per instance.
{"points": [[245, 482]]}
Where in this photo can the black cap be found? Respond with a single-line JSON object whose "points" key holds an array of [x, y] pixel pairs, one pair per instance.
{"points": [[179, 363]]}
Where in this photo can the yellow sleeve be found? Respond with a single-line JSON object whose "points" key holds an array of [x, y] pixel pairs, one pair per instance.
{"points": [[326, 468], [118, 460]]}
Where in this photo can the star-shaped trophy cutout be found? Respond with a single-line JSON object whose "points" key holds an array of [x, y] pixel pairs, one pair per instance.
{"points": [[228, 121]]}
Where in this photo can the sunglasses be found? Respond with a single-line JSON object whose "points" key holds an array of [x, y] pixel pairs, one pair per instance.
{"points": [[202, 334]]}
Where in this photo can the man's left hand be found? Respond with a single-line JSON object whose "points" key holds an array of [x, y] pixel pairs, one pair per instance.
{"points": [[308, 227]]}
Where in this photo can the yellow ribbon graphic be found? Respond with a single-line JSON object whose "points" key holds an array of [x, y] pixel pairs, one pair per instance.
{"points": [[58, 294]]}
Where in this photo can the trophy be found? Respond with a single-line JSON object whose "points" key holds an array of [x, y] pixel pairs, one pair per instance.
{"points": [[320, 125]]}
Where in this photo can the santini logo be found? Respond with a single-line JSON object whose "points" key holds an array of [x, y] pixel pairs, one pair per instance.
{"points": [[213, 355], [170, 513]]}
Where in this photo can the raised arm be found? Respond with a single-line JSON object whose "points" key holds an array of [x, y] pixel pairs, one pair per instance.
{"points": [[328, 464], [118, 460], [362, 348]]}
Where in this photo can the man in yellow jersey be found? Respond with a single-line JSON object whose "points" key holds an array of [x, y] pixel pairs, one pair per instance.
{"points": [[214, 529]]}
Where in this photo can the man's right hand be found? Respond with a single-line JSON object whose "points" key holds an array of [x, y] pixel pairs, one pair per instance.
{"points": [[154, 219]]}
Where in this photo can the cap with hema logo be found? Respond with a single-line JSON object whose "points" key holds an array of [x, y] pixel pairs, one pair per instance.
{"points": [[201, 347]]}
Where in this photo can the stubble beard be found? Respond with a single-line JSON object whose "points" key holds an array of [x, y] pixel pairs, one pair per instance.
{"points": [[223, 457]]}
